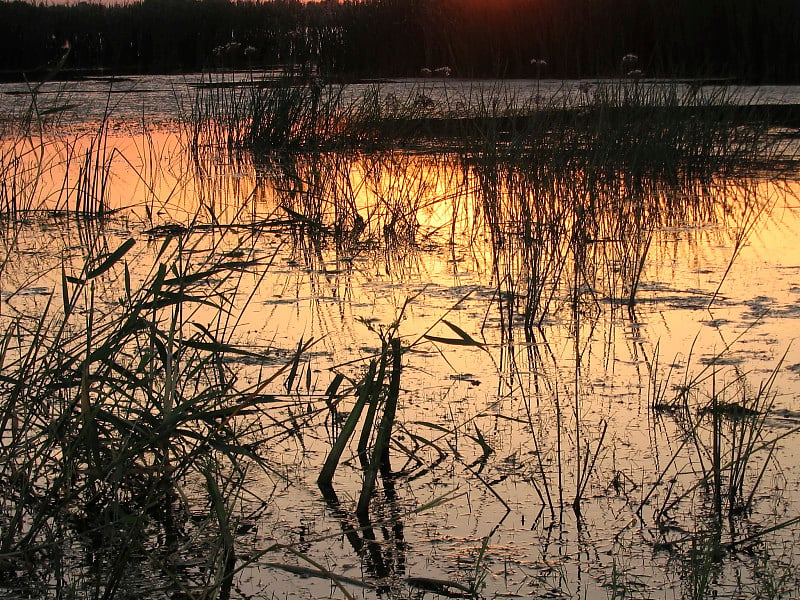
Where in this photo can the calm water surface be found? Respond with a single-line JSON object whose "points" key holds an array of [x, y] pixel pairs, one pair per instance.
{"points": [[578, 399], [158, 98]]}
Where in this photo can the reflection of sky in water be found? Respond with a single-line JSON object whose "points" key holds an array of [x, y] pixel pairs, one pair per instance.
{"points": [[324, 290], [314, 289]]}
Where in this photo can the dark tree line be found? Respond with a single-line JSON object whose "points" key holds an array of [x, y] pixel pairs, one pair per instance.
{"points": [[750, 40]]}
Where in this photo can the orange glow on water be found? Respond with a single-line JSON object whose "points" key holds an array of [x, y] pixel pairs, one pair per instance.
{"points": [[546, 323]]}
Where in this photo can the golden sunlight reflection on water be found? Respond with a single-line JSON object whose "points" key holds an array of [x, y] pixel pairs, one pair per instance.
{"points": [[347, 243], [432, 226]]}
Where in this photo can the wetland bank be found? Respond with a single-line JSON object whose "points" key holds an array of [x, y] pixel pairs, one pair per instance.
{"points": [[438, 338]]}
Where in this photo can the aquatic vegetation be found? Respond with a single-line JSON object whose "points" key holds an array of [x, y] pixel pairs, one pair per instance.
{"points": [[30, 154], [728, 433], [108, 412], [400, 343], [617, 128]]}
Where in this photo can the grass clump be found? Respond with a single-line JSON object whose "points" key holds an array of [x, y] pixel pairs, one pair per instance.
{"points": [[83, 163], [120, 419], [599, 129], [607, 129]]}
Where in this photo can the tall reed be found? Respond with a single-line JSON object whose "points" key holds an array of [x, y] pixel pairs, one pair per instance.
{"points": [[108, 411]]}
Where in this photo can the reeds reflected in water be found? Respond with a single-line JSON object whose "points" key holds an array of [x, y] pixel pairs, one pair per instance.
{"points": [[180, 376]]}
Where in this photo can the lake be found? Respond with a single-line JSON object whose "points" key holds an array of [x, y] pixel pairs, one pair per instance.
{"points": [[597, 395]]}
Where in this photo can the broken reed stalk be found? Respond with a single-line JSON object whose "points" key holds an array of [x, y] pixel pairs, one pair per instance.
{"points": [[369, 419], [329, 468], [380, 454]]}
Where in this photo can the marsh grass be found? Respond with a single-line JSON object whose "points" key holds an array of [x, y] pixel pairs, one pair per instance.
{"points": [[579, 182], [378, 392], [108, 409], [125, 423], [94, 170], [356, 204], [36, 147], [606, 127], [22, 164], [550, 234], [705, 512], [570, 197], [83, 162], [290, 114], [728, 433], [557, 241]]}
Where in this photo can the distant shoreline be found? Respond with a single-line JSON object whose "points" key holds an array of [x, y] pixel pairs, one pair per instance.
{"points": [[750, 41], [101, 73]]}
